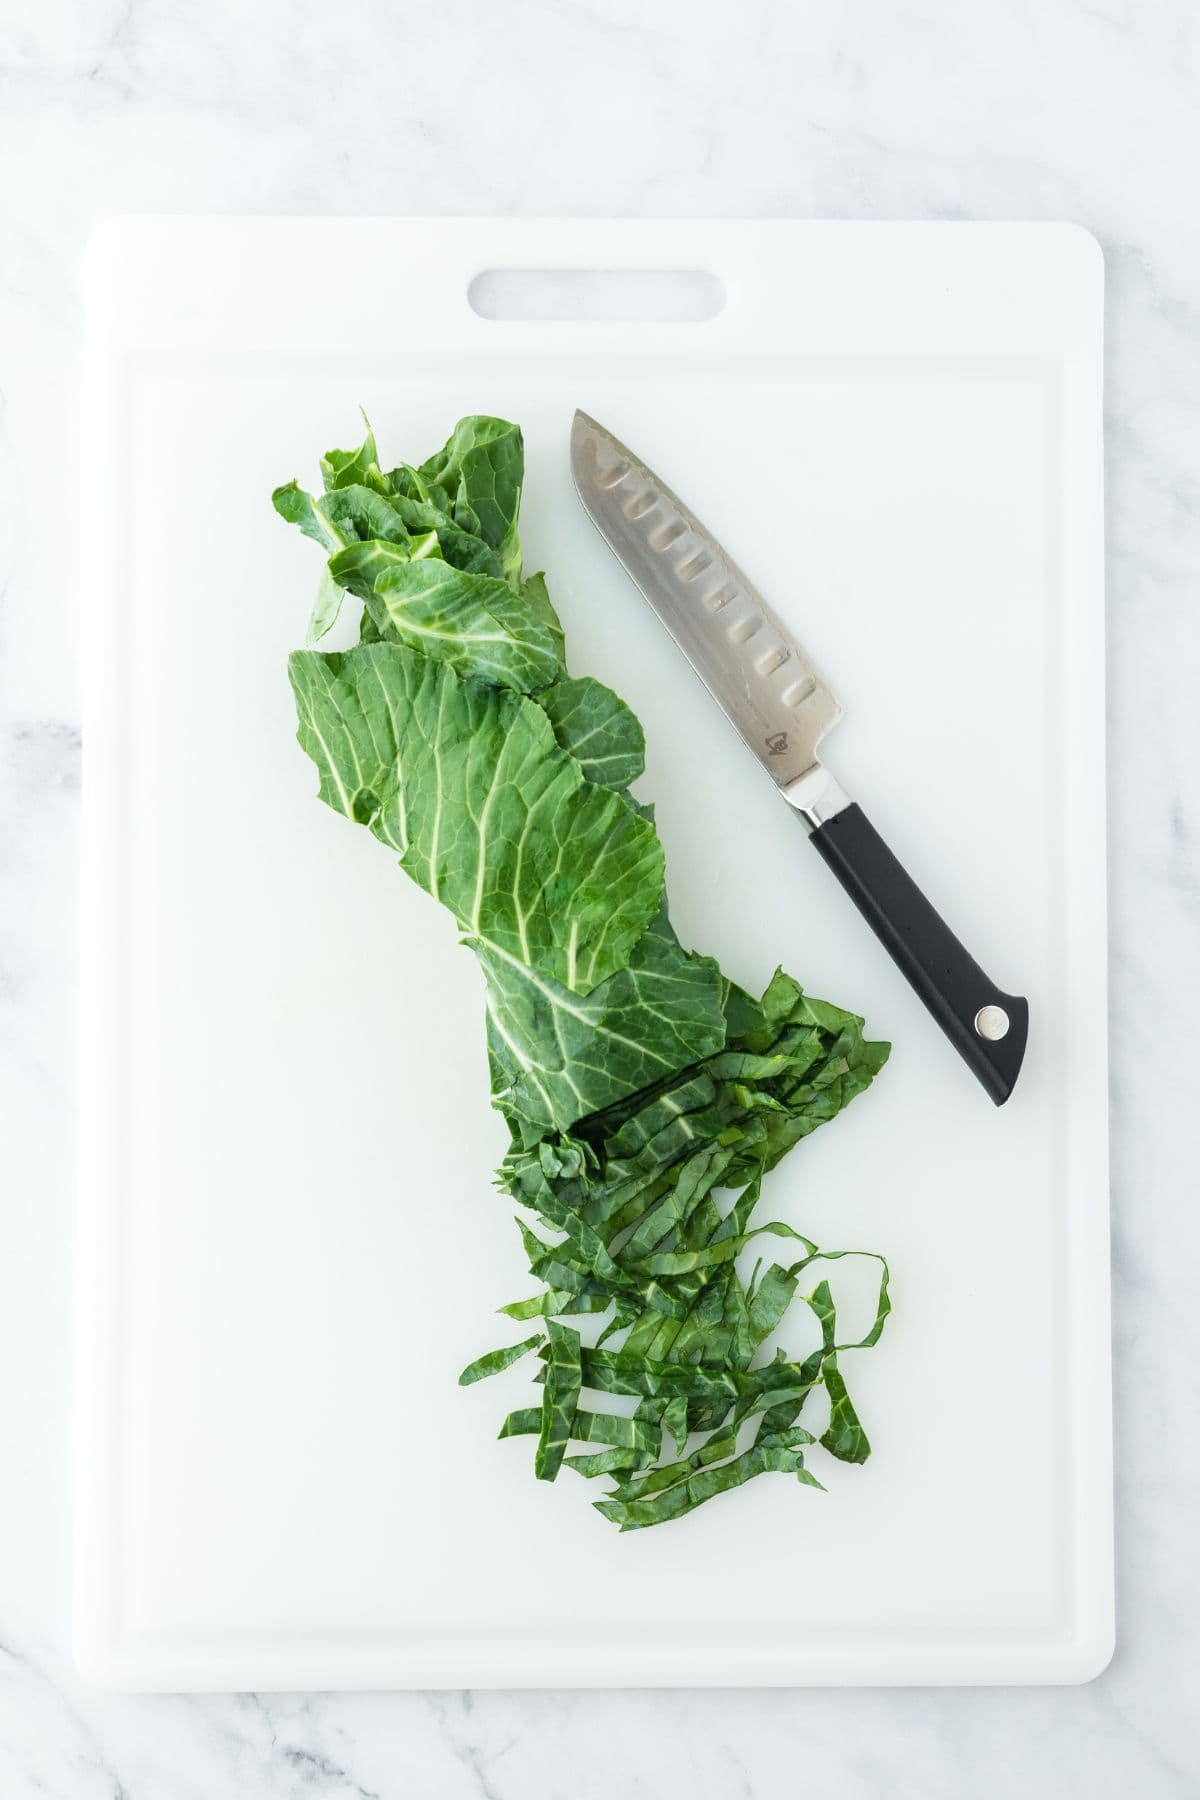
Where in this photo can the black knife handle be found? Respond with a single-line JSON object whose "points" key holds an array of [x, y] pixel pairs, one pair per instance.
{"points": [[947, 978]]}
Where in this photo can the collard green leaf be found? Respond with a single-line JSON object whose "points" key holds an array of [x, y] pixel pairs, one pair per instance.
{"points": [[675, 1421], [495, 1360], [606, 1462], [326, 607], [474, 623], [481, 468], [557, 1056], [770, 1301], [560, 1397], [408, 483], [460, 548], [662, 1223], [844, 1437], [675, 1502], [292, 503], [363, 513], [719, 1445], [616, 1372], [345, 468], [547, 874], [525, 1422], [641, 1437], [560, 1301], [537, 599], [598, 729], [361, 564], [641, 1086], [717, 1250]]}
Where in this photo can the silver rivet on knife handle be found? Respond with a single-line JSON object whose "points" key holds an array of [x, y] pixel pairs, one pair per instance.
{"points": [[992, 1023]]}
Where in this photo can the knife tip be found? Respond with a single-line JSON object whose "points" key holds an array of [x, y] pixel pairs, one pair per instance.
{"points": [[587, 434]]}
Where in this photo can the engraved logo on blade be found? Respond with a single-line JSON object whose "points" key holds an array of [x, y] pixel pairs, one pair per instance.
{"points": [[777, 743]]}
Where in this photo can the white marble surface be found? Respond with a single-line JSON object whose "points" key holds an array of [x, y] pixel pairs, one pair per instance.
{"points": [[884, 108]]}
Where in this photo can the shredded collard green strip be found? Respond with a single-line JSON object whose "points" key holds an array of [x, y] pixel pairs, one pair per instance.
{"points": [[646, 1095]]}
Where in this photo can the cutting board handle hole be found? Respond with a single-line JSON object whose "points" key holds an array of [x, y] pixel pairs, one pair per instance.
{"points": [[609, 296]]}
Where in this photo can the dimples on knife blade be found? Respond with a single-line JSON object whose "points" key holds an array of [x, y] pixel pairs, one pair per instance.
{"points": [[745, 656]]}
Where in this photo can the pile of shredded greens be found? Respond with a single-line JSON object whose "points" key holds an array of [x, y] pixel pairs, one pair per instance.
{"points": [[645, 1093]]}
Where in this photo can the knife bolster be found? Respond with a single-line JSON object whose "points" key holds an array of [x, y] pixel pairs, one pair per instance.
{"points": [[816, 796]]}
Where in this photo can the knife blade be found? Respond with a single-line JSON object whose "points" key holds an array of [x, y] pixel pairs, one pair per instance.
{"points": [[782, 707]]}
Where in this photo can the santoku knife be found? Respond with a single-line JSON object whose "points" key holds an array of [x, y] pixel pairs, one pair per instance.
{"points": [[782, 708]]}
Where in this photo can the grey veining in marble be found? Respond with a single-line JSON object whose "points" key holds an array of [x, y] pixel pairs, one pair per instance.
{"points": [[1080, 109]]}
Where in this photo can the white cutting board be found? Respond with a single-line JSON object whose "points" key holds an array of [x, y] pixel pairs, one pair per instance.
{"points": [[290, 1243]]}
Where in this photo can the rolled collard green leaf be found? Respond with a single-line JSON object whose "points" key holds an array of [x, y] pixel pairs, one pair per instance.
{"points": [[460, 549], [364, 514], [558, 1056], [340, 521], [405, 482], [560, 1397], [360, 503], [482, 468], [476, 623], [355, 514], [358, 567], [676, 1120], [545, 873], [598, 729], [742, 1066]]}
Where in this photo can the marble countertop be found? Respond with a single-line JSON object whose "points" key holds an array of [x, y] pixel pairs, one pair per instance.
{"points": [[885, 109]]}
